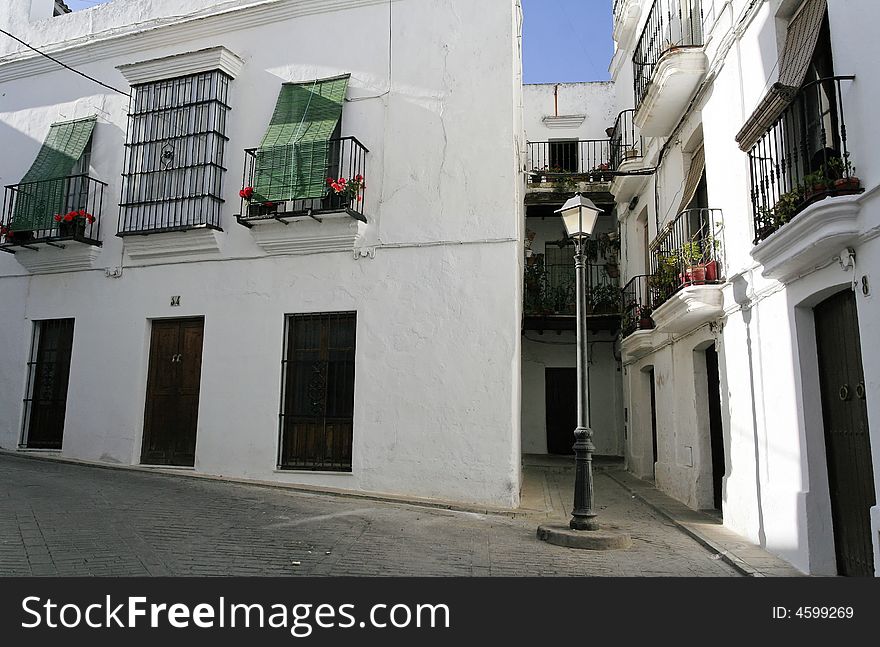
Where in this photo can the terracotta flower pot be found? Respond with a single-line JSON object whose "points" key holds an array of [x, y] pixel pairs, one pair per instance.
{"points": [[75, 228], [847, 185], [696, 274], [646, 323], [712, 271]]}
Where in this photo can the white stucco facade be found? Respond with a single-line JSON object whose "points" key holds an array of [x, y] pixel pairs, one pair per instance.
{"points": [[434, 275], [776, 479], [559, 112]]}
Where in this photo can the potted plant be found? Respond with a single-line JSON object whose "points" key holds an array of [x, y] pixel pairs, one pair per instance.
{"points": [[645, 320], [691, 258], [844, 174], [73, 223], [816, 185], [344, 191], [605, 299]]}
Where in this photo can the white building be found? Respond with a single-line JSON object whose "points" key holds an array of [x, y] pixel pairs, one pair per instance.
{"points": [[755, 252], [366, 339], [568, 148]]}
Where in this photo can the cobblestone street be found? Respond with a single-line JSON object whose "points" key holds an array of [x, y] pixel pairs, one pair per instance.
{"points": [[68, 520]]}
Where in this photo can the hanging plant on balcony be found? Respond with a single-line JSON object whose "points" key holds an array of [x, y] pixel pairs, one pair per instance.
{"points": [[646, 321], [73, 223]]}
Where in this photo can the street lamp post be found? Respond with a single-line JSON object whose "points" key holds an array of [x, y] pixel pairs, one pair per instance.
{"points": [[579, 216]]}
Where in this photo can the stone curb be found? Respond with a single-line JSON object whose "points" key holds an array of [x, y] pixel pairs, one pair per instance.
{"points": [[707, 542]]}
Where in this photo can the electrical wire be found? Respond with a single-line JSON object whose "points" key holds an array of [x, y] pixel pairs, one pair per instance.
{"points": [[65, 65], [390, 58]]}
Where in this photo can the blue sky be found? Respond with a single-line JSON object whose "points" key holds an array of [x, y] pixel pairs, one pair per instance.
{"points": [[563, 40], [566, 40]]}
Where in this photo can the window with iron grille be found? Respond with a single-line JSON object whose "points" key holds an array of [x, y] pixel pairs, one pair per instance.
{"points": [[317, 399], [174, 154], [48, 377]]}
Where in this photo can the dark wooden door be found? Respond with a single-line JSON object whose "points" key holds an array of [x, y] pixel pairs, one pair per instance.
{"points": [[716, 433], [847, 445], [49, 371], [171, 413], [561, 398]]}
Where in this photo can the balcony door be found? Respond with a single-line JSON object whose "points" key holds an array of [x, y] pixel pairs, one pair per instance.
{"points": [[172, 407], [564, 155], [847, 443]]}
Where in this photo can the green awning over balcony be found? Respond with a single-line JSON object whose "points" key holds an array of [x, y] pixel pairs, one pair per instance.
{"points": [[43, 190], [294, 158]]}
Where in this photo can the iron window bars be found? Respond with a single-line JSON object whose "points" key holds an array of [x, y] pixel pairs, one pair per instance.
{"points": [[287, 165], [638, 296], [48, 375], [174, 154], [317, 393], [554, 161], [802, 158], [671, 24], [625, 145], [77, 192], [688, 251]]}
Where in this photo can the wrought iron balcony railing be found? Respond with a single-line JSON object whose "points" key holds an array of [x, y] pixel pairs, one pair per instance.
{"points": [[687, 252], [51, 212], [625, 144], [637, 298], [802, 158], [550, 289], [671, 24], [568, 160], [297, 180]]}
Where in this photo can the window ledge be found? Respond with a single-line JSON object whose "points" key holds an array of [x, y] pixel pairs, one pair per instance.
{"points": [[45, 258], [160, 247], [336, 232], [169, 67], [675, 78], [811, 239], [690, 308], [641, 343]]}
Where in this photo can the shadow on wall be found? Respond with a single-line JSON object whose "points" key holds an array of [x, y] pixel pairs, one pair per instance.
{"points": [[741, 296]]}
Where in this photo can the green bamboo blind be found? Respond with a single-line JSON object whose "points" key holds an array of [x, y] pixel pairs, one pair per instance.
{"points": [[294, 157], [42, 191]]}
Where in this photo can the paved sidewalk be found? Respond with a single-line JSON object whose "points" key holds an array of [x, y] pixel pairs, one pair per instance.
{"points": [[548, 484], [63, 519]]}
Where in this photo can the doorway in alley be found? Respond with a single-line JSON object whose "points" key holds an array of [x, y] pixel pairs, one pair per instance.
{"points": [[653, 389], [716, 434], [847, 444], [561, 404]]}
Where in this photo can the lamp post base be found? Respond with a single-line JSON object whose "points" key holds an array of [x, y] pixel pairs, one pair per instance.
{"points": [[562, 535]]}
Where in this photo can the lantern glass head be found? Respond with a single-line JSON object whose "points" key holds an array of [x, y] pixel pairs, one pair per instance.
{"points": [[579, 215]]}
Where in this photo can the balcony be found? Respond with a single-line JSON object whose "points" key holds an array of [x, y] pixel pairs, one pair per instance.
{"points": [[804, 184], [626, 19], [53, 225], [668, 64], [550, 297], [561, 167], [687, 272], [293, 200], [627, 151]]}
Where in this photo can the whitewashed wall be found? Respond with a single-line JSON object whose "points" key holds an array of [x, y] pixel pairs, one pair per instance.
{"points": [[776, 485], [438, 340]]}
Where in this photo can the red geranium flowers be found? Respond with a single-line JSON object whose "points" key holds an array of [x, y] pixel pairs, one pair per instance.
{"points": [[346, 188], [70, 216], [247, 193]]}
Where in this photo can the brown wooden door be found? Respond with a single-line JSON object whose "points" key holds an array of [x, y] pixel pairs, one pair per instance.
{"points": [[49, 371], [171, 412], [561, 400], [847, 444]]}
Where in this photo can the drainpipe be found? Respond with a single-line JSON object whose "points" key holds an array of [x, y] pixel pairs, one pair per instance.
{"points": [[556, 100]]}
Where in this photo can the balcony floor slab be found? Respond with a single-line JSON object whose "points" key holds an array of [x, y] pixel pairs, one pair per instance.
{"points": [[689, 308]]}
